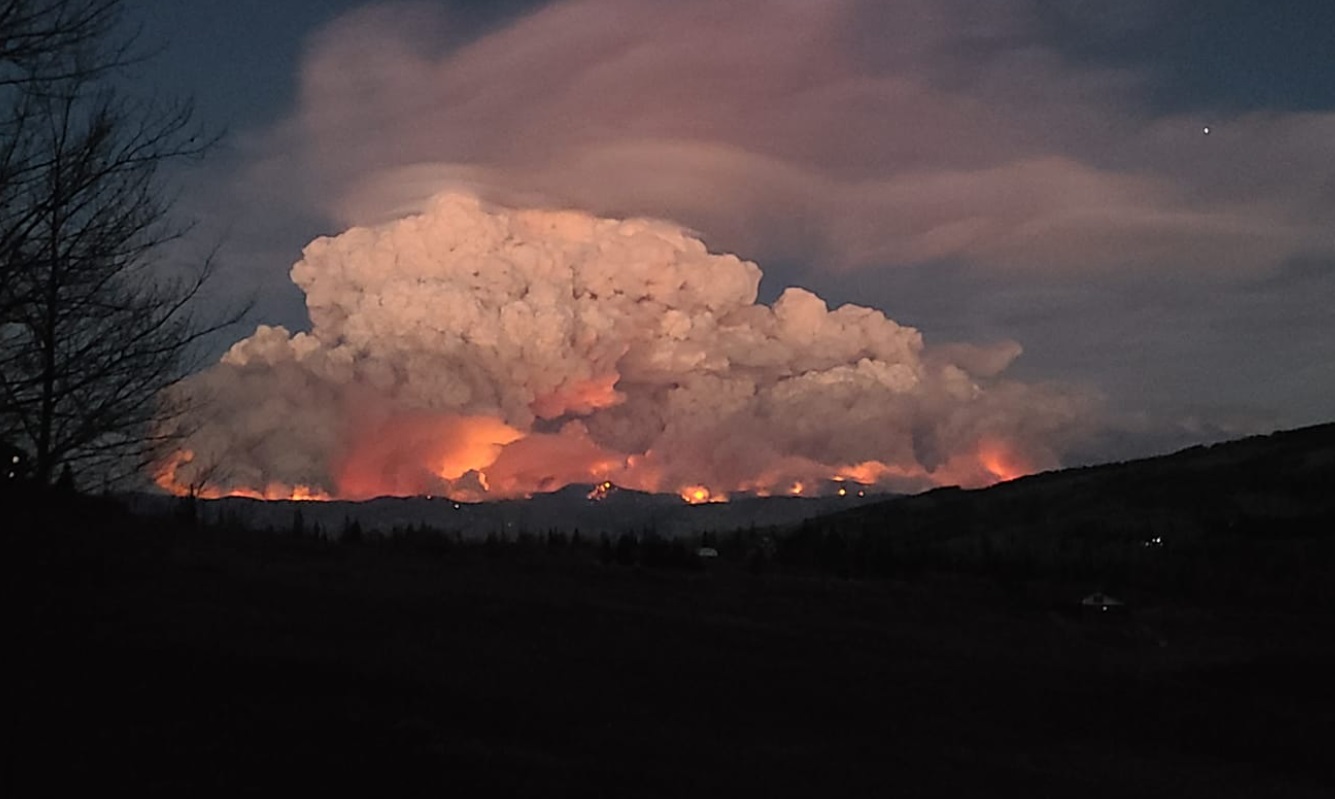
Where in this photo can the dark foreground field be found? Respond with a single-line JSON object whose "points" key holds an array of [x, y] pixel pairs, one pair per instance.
{"points": [[170, 661]]}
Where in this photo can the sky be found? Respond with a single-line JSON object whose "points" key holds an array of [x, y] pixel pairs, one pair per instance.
{"points": [[986, 171]]}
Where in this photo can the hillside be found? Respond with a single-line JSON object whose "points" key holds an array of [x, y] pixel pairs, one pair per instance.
{"points": [[566, 510], [1255, 516], [931, 646]]}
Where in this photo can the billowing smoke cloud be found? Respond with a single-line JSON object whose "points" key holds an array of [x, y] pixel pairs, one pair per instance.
{"points": [[963, 161], [475, 352]]}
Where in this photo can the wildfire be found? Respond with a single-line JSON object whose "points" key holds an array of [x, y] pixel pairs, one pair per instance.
{"points": [[415, 454], [479, 353], [1001, 461], [166, 478], [698, 495], [580, 398], [272, 491], [872, 472], [480, 458], [601, 491]]}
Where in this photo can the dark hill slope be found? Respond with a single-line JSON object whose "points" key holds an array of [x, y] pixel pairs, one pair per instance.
{"points": [[1263, 507]]}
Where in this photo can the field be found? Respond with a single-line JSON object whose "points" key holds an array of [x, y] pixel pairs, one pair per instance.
{"points": [[170, 659]]}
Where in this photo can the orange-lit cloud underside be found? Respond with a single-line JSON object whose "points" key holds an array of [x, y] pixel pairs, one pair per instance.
{"points": [[478, 458]]}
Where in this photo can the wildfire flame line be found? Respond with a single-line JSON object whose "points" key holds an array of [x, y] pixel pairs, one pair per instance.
{"points": [[469, 469]]}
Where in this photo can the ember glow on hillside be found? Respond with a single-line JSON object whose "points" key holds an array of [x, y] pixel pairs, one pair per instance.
{"points": [[483, 353]]}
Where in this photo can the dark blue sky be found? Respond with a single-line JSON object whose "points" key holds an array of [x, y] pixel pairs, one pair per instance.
{"points": [[1225, 55], [1198, 306], [240, 58]]}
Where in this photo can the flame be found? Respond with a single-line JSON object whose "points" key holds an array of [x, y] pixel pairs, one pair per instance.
{"points": [[601, 491], [549, 461], [699, 494], [417, 454], [272, 491], [165, 476], [479, 458], [308, 494], [873, 472], [992, 460]]}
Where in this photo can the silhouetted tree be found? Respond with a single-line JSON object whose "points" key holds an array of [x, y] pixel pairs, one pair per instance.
{"points": [[187, 510], [492, 544], [65, 483], [626, 549], [352, 531], [93, 327]]}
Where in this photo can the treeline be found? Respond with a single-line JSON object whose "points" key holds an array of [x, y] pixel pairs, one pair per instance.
{"points": [[1242, 559], [643, 547], [1245, 560], [1250, 560]]}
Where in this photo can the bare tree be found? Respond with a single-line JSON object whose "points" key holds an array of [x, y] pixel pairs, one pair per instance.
{"points": [[42, 43], [93, 325]]}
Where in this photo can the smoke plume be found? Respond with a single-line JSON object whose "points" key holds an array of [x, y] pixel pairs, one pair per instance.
{"points": [[480, 352]]}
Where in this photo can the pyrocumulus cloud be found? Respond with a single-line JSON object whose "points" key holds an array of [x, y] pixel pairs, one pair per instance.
{"points": [[480, 352]]}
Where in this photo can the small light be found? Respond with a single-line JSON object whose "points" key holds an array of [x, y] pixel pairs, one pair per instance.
{"points": [[1206, 130]]}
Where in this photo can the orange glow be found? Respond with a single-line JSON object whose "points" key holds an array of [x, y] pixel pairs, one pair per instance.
{"points": [[698, 495], [307, 494], [1001, 460], [419, 454], [166, 478], [873, 472], [164, 475], [580, 398], [272, 491], [993, 460], [601, 491], [480, 458], [549, 461]]}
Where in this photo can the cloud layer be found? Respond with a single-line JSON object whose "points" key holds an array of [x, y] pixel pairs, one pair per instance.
{"points": [[849, 134]]}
